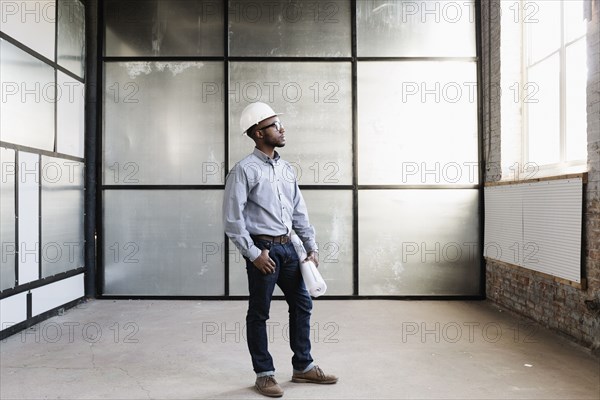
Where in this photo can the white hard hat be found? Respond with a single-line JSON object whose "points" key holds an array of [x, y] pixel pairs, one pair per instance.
{"points": [[254, 113]]}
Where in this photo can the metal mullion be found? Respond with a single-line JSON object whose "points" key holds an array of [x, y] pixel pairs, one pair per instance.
{"points": [[18, 147], [55, 79], [40, 246], [90, 146], [355, 231], [163, 187], [17, 245], [101, 36], [280, 297], [403, 58], [327, 187], [56, 31], [418, 187], [226, 264], [288, 59], [29, 306], [161, 58], [56, 96], [232, 59]]}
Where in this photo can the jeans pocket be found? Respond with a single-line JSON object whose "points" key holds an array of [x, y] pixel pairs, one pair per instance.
{"points": [[263, 244]]}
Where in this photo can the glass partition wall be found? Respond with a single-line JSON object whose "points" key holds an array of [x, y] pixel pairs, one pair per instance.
{"points": [[380, 103], [42, 158]]}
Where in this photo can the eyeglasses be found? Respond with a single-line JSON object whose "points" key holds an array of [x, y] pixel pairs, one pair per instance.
{"points": [[277, 124]]}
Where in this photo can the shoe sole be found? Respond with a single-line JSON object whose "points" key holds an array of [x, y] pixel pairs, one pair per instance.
{"points": [[267, 394], [302, 380]]}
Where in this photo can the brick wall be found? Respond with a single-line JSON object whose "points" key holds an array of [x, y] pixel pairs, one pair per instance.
{"points": [[490, 66], [555, 305]]}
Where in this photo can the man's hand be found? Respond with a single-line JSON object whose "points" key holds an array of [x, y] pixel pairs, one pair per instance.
{"points": [[264, 263], [314, 257]]}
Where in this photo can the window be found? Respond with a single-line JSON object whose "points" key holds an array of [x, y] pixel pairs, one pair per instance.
{"points": [[555, 77], [386, 88]]}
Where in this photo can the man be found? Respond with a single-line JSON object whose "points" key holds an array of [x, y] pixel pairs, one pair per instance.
{"points": [[262, 206]]}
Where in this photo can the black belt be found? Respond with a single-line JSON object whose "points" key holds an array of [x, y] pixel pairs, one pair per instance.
{"points": [[283, 239]]}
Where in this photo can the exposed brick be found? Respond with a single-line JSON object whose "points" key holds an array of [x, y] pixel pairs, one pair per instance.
{"points": [[555, 305]]}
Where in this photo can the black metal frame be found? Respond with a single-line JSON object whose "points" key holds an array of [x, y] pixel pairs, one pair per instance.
{"points": [[37, 319], [480, 156], [355, 187], [90, 144]]}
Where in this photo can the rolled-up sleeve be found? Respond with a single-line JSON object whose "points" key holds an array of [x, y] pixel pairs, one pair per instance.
{"points": [[234, 203]]}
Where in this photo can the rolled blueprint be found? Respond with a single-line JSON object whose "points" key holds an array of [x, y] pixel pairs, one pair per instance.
{"points": [[312, 279], [315, 284]]}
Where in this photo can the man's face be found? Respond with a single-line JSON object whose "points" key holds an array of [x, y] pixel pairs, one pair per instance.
{"points": [[272, 132]]}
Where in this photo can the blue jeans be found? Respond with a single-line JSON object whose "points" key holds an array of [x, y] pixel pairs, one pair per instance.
{"points": [[288, 277]]}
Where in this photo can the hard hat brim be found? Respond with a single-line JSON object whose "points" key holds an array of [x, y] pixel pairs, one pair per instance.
{"points": [[245, 133]]}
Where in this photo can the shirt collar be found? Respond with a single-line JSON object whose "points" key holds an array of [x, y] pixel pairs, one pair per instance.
{"points": [[263, 157]]}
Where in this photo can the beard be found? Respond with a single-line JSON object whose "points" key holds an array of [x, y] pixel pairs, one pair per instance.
{"points": [[275, 142]]}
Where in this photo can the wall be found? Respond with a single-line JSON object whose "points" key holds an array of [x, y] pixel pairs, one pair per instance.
{"points": [[374, 135], [557, 306], [42, 160]]}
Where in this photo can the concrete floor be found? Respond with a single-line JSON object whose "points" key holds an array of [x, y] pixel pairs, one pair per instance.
{"points": [[106, 349]]}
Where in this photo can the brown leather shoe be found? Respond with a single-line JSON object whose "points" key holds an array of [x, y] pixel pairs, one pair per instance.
{"points": [[268, 386], [315, 375]]}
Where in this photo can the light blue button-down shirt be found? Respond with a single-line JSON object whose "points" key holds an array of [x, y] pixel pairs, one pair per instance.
{"points": [[262, 197]]}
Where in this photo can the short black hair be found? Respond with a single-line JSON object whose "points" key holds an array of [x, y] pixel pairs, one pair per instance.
{"points": [[251, 132]]}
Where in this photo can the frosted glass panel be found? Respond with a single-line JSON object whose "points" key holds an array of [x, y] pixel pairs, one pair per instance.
{"points": [[420, 128], [70, 116], [290, 28], [29, 210], [164, 28], [316, 99], [57, 293], [163, 242], [27, 91], [62, 215], [418, 242], [7, 219], [162, 125], [543, 109], [330, 212], [410, 28], [30, 22], [71, 36], [13, 309]]}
